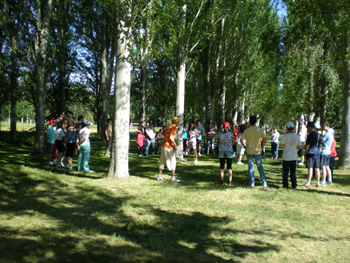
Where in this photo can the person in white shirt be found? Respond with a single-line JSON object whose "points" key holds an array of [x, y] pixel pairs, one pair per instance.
{"points": [[84, 148], [291, 142], [61, 148], [274, 143]]}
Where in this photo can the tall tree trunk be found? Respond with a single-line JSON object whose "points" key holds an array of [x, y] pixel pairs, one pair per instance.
{"points": [[222, 98], [43, 15], [180, 85], [344, 161], [14, 89], [104, 76], [119, 163]]}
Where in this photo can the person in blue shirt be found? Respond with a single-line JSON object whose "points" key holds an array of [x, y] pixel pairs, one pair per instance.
{"points": [[200, 130], [326, 143], [185, 137]]}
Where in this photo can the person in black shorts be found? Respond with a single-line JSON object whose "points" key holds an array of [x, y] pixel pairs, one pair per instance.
{"points": [[312, 154]]}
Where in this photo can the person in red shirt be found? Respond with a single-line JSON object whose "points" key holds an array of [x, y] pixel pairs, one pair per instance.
{"points": [[168, 151], [333, 156]]}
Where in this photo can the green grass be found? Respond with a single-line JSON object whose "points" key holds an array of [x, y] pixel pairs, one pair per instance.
{"points": [[52, 215]]}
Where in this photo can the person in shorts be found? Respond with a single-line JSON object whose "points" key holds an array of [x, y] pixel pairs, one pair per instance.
{"points": [[225, 140], [192, 142], [200, 130], [240, 148], [326, 143], [70, 142], [168, 151], [291, 142], [210, 138], [302, 135], [50, 140], [312, 154]]}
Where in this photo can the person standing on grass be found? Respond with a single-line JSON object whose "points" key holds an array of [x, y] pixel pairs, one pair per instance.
{"points": [[291, 142], [240, 148], [192, 142], [235, 133], [326, 143], [141, 138], [302, 135], [70, 143], [210, 138], [274, 143], [185, 138], [60, 138], [160, 139], [168, 151], [108, 136], [84, 148], [333, 156], [226, 140], [50, 140], [312, 153], [200, 130], [255, 140], [150, 134]]}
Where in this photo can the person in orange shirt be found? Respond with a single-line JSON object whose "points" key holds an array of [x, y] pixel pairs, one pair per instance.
{"points": [[168, 151]]}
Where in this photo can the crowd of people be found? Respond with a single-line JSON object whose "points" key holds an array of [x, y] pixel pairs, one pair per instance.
{"points": [[66, 138], [316, 146]]}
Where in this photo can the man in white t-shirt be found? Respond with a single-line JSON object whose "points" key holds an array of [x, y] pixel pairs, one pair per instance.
{"points": [[291, 142], [302, 135]]}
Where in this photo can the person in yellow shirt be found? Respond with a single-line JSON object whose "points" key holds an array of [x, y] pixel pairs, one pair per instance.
{"points": [[255, 140], [168, 151]]}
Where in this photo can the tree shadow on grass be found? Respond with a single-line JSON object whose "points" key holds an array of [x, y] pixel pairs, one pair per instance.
{"points": [[84, 223]]}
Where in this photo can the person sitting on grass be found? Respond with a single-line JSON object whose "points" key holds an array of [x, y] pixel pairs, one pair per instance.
{"points": [[291, 142], [226, 139]]}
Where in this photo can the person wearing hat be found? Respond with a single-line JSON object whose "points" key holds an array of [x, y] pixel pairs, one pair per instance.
{"points": [[226, 140], [312, 154], [302, 135], [84, 148], [168, 151], [50, 140], [291, 142], [255, 140]]}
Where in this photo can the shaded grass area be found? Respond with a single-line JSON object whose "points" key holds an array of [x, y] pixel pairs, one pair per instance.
{"points": [[52, 215]]}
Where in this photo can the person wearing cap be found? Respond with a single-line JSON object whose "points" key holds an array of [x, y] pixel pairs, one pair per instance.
{"points": [[326, 143], [312, 154], [291, 142], [255, 140], [168, 151], [50, 140], [84, 148], [302, 135], [226, 139]]}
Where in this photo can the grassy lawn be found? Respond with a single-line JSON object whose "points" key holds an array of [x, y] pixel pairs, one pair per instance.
{"points": [[52, 215]]}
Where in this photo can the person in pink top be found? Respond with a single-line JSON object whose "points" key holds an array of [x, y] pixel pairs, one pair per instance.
{"points": [[333, 156]]}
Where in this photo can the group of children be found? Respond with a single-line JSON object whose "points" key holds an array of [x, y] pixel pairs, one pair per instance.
{"points": [[65, 138]]}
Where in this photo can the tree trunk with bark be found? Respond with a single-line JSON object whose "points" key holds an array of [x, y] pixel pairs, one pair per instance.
{"points": [[119, 163], [14, 89]]}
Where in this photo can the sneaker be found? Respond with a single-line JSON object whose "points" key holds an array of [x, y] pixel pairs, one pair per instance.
{"points": [[195, 161], [240, 163], [229, 183], [173, 179], [159, 177], [301, 164], [323, 183], [55, 160], [91, 171], [265, 185], [71, 169], [50, 163], [329, 182], [252, 185], [306, 185], [199, 154], [139, 155], [59, 166]]}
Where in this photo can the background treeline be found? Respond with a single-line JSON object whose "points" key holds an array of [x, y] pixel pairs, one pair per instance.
{"points": [[275, 59]]}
